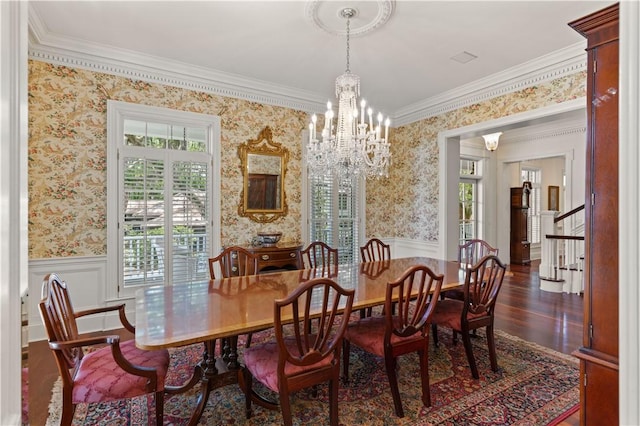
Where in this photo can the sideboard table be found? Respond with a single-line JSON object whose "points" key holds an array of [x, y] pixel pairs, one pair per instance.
{"points": [[277, 257]]}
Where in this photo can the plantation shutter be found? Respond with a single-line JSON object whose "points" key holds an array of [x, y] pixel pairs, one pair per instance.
{"points": [[321, 211], [190, 221], [348, 241], [166, 217], [143, 251], [333, 215]]}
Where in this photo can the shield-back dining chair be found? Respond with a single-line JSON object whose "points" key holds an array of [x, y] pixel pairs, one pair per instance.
{"points": [[302, 356], [469, 254], [417, 292], [481, 287], [233, 261], [373, 251], [320, 256], [102, 368]]}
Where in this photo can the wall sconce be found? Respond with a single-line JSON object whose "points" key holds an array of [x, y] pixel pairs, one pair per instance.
{"points": [[491, 140]]}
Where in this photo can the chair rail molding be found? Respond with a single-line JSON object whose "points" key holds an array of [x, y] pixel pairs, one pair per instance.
{"points": [[407, 247], [86, 277]]}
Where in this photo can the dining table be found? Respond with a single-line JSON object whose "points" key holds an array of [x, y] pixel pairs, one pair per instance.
{"points": [[219, 310]]}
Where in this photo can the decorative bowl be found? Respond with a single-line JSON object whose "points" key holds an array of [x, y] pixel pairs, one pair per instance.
{"points": [[269, 238]]}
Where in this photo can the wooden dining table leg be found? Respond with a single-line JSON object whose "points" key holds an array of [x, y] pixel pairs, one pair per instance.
{"points": [[211, 373], [209, 348]]}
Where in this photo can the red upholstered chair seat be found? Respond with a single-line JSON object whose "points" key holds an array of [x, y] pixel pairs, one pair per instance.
{"points": [[368, 334], [448, 314], [303, 354], [262, 362], [100, 378], [416, 294], [482, 284], [97, 368]]}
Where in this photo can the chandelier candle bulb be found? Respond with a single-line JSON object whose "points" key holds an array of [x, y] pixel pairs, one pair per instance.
{"points": [[386, 129], [362, 104], [314, 120]]}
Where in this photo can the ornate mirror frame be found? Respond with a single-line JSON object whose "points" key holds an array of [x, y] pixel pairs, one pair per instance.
{"points": [[260, 211]]}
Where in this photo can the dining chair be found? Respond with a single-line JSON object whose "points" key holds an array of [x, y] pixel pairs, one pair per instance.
{"points": [[469, 254], [417, 292], [233, 261], [100, 368], [321, 256], [373, 251], [481, 287], [300, 357]]}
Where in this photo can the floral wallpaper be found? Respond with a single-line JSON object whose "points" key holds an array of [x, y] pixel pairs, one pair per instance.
{"points": [[67, 155], [406, 204]]}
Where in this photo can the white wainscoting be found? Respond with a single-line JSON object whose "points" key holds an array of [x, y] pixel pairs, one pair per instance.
{"points": [[86, 280], [405, 247]]}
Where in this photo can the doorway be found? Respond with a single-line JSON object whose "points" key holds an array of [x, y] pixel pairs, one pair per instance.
{"points": [[556, 131]]}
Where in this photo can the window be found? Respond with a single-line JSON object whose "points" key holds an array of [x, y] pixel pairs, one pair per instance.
{"points": [[334, 215], [468, 199], [534, 176], [161, 195]]}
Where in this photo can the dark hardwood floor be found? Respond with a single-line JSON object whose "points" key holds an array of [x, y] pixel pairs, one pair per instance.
{"points": [[549, 319]]}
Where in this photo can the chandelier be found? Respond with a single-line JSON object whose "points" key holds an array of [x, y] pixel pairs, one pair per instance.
{"points": [[352, 145]]}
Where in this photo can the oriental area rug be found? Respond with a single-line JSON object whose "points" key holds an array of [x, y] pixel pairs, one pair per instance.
{"points": [[534, 386]]}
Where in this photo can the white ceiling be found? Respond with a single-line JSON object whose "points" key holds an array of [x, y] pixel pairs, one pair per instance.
{"points": [[275, 44]]}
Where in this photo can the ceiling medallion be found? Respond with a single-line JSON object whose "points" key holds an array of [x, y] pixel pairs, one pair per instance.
{"points": [[371, 15]]}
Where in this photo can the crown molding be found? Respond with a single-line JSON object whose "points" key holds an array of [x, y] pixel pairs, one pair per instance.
{"points": [[46, 47], [563, 62], [181, 75], [554, 132]]}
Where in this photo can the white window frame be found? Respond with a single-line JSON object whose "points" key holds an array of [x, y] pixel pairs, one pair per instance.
{"points": [[117, 113], [474, 182], [535, 202], [477, 181]]}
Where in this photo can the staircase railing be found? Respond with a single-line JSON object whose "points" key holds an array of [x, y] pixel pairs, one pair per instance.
{"points": [[562, 257]]}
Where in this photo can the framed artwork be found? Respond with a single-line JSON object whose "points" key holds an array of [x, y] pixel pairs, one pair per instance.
{"points": [[554, 198]]}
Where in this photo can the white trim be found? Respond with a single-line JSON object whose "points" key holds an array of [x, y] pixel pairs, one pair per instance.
{"points": [[86, 277], [405, 247], [47, 47], [450, 152], [117, 111], [557, 64], [629, 210], [50, 48], [13, 196]]}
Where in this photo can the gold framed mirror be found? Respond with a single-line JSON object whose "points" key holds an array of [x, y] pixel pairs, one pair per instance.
{"points": [[264, 166]]}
